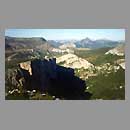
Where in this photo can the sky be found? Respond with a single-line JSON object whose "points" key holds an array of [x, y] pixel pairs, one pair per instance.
{"points": [[67, 34]]}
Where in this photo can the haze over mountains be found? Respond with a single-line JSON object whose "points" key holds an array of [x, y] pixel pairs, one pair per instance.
{"points": [[12, 42], [87, 43], [93, 44]]}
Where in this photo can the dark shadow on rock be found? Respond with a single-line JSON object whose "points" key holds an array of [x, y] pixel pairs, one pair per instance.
{"points": [[66, 84], [58, 81]]}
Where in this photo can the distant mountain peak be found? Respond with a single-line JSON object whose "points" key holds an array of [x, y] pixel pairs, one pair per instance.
{"points": [[87, 39]]}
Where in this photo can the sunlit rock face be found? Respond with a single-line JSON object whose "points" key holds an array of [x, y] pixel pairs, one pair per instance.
{"points": [[121, 62], [26, 66], [73, 61], [122, 65], [119, 50]]}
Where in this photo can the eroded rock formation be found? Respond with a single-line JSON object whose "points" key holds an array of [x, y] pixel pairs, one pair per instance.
{"points": [[48, 77]]}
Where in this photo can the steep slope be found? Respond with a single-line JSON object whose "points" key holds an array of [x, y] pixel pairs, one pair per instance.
{"points": [[46, 77], [22, 49]]}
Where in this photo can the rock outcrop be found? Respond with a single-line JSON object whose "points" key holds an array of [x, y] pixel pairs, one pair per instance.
{"points": [[119, 50], [121, 62], [73, 61], [43, 71], [26, 66], [48, 77]]}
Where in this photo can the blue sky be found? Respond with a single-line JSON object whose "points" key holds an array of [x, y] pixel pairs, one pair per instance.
{"points": [[65, 34]]}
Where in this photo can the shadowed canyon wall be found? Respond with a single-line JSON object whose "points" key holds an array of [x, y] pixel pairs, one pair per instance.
{"points": [[48, 77]]}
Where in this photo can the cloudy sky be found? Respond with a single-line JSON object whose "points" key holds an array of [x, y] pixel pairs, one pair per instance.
{"points": [[65, 34]]}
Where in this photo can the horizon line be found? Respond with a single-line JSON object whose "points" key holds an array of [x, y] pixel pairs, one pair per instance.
{"points": [[64, 39]]}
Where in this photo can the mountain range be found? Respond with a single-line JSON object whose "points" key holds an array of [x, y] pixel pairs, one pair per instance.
{"points": [[86, 43], [41, 43]]}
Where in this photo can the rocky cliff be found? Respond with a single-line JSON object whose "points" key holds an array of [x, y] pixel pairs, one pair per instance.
{"points": [[48, 77]]}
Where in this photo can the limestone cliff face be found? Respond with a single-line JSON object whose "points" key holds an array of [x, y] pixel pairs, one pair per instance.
{"points": [[73, 61], [26, 66]]}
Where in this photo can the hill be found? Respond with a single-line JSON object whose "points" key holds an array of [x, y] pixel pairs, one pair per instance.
{"points": [[119, 50], [15, 44], [73, 61]]}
